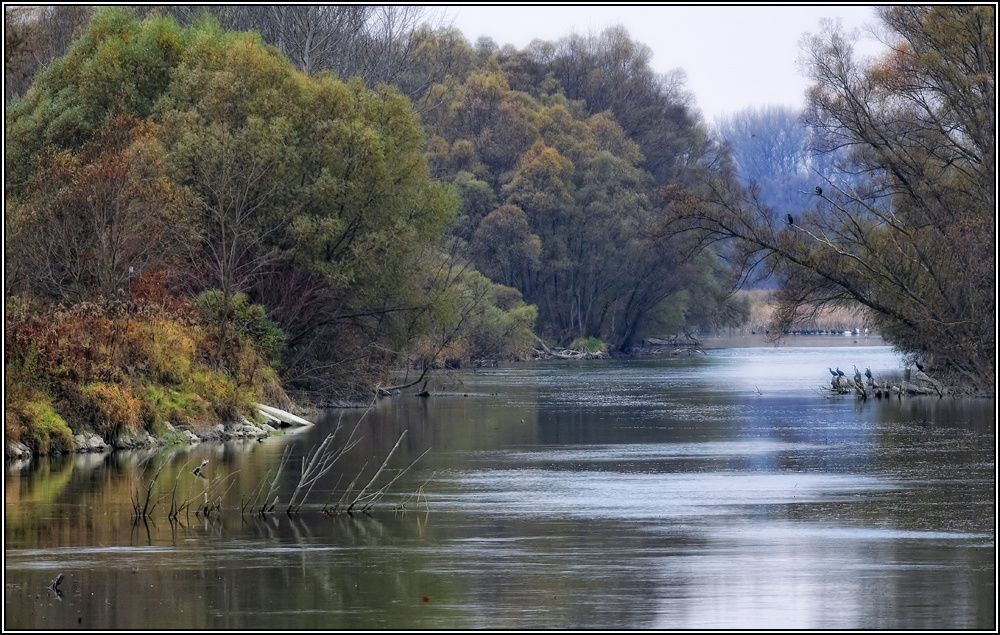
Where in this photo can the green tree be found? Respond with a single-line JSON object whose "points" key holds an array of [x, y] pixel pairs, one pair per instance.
{"points": [[504, 247], [116, 64], [304, 178]]}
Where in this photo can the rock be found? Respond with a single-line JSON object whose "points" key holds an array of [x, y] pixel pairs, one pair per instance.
{"points": [[90, 442], [18, 451]]}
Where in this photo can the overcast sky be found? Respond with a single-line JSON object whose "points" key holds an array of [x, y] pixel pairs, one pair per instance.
{"points": [[733, 57]]}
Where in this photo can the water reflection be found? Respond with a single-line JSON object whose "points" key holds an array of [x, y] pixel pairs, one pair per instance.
{"points": [[639, 494]]}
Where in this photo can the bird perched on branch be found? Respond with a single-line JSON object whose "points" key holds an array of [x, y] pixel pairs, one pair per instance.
{"points": [[819, 191], [857, 380], [791, 219], [197, 470], [868, 373], [840, 373], [832, 372]]}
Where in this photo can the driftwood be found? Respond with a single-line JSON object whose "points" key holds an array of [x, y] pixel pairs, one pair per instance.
{"points": [[565, 353], [917, 383], [677, 344], [569, 354]]}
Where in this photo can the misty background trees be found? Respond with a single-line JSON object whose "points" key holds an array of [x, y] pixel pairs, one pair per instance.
{"points": [[388, 191], [912, 236]]}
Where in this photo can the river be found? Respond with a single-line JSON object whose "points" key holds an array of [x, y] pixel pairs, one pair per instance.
{"points": [[726, 490]]}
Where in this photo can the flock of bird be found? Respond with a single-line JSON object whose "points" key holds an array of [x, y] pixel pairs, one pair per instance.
{"points": [[857, 376]]}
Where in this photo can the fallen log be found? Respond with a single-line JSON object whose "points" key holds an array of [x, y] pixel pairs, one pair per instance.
{"points": [[282, 416]]}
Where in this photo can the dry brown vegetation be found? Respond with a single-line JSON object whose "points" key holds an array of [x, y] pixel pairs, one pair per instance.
{"points": [[762, 316]]}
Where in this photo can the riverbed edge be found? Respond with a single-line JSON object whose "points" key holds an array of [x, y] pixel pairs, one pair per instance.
{"points": [[242, 429]]}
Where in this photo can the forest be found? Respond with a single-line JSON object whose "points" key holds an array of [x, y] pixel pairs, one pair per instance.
{"points": [[207, 207]]}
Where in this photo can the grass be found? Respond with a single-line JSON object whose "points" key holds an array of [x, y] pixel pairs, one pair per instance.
{"points": [[118, 367], [762, 312]]}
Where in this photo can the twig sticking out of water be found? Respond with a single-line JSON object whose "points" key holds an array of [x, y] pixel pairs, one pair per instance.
{"points": [[376, 496], [285, 457], [318, 462], [140, 508], [177, 507], [418, 495], [54, 585], [255, 494], [210, 494], [213, 494], [384, 463], [347, 493]]}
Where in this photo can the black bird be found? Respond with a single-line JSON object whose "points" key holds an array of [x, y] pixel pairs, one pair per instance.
{"points": [[819, 191], [791, 220], [868, 373], [832, 372], [920, 366], [840, 373]]}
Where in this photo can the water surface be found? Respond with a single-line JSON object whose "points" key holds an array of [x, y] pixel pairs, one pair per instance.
{"points": [[729, 490]]}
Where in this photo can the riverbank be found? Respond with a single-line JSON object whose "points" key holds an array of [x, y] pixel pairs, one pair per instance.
{"points": [[272, 421]]}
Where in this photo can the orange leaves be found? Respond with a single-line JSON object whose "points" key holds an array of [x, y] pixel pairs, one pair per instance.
{"points": [[89, 217]]}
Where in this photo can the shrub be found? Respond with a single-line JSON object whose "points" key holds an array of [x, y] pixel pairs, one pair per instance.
{"points": [[169, 349], [249, 321], [178, 405], [113, 409], [39, 426], [588, 345]]}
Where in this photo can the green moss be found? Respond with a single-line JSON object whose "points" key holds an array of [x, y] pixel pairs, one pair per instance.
{"points": [[46, 431], [176, 404]]}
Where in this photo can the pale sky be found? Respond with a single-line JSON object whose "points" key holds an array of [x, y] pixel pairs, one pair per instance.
{"points": [[733, 56]]}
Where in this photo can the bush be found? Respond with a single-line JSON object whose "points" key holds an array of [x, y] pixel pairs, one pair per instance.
{"points": [[169, 350], [589, 345], [113, 409], [249, 321], [39, 426], [178, 405]]}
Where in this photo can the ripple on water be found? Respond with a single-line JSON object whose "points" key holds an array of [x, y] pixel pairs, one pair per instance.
{"points": [[546, 493]]}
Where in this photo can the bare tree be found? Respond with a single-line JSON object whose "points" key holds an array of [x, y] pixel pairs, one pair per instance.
{"points": [[920, 125]]}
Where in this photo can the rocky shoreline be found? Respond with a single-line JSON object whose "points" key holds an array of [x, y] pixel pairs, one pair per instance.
{"points": [[86, 442]]}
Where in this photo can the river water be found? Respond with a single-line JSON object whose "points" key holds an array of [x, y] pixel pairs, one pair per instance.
{"points": [[725, 490]]}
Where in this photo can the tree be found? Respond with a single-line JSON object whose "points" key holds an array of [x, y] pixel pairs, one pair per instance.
{"points": [[90, 222], [920, 125], [611, 72], [305, 178], [766, 142], [504, 247], [34, 36], [376, 43], [115, 65]]}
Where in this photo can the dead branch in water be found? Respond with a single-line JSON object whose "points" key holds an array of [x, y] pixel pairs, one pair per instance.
{"points": [[318, 462], [377, 495], [140, 508]]}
